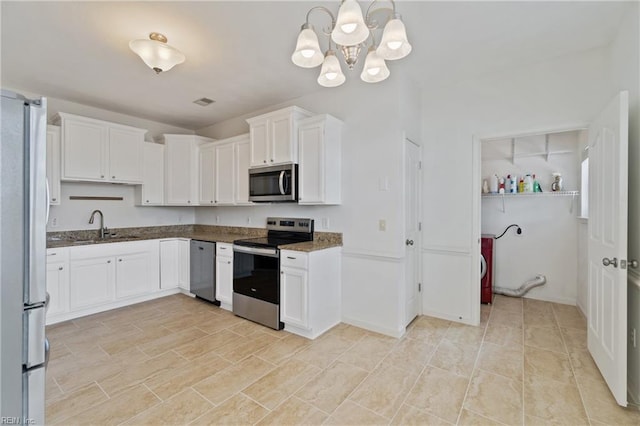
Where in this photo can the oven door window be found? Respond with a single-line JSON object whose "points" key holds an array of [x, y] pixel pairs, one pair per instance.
{"points": [[256, 276]]}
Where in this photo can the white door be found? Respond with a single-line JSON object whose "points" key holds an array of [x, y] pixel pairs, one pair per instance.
{"points": [[294, 297], [132, 274], [125, 155], [224, 279], [607, 296], [242, 172], [412, 229]]}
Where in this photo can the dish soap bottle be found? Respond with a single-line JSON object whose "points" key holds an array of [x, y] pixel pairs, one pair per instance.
{"points": [[536, 185]]}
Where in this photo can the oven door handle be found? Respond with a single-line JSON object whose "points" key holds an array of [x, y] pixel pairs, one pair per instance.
{"points": [[259, 251], [281, 183]]}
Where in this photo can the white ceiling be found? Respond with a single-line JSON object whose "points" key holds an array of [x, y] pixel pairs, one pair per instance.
{"points": [[238, 53]]}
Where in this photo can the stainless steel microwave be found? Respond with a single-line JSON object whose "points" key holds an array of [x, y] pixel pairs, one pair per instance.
{"points": [[274, 183]]}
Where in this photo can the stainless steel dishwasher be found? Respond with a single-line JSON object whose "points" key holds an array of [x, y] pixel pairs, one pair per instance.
{"points": [[203, 270]]}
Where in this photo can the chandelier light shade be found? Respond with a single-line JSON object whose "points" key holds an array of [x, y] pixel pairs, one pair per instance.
{"points": [[307, 53], [394, 44], [351, 31], [350, 28], [156, 53], [375, 68], [331, 73]]}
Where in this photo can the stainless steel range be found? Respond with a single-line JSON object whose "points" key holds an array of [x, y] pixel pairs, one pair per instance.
{"points": [[256, 269]]}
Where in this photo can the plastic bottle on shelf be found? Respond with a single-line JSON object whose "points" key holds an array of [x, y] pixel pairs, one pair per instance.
{"points": [[485, 187], [521, 185], [513, 186], [528, 183], [536, 185], [501, 186], [493, 184]]}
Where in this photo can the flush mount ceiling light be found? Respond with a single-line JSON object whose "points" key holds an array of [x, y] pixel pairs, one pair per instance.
{"points": [[350, 32], [156, 53]]}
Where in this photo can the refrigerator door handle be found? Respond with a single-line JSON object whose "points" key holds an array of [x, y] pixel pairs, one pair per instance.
{"points": [[33, 384], [35, 292], [48, 198], [34, 349]]}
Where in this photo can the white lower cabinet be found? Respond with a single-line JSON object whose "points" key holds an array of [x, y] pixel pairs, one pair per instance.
{"points": [[132, 274], [310, 290], [184, 263], [82, 280], [224, 275], [57, 282], [91, 282]]}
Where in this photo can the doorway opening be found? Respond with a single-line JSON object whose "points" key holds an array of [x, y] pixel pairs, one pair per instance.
{"points": [[534, 181]]}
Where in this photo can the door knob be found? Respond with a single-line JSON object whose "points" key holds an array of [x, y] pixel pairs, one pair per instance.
{"points": [[633, 264], [607, 262], [409, 242]]}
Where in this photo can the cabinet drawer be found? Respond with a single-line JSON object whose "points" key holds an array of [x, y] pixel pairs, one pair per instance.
{"points": [[56, 254], [224, 249], [294, 259]]}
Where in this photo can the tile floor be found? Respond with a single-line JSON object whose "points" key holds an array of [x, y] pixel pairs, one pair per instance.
{"points": [[177, 360]]}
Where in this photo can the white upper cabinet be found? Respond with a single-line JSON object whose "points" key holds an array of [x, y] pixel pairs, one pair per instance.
{"points": [[242, 170], [96, 150], [182, 175], [151, 192], [53, 163], [320, 151], [224, 173], [274, 136], [206, 162]]}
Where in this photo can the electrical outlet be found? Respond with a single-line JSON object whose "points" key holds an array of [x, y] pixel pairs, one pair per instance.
{"points": [[54, 222], [325, 223], [382, 225], [248, 220]]}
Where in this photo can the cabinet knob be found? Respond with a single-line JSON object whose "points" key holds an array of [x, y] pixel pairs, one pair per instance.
{"points": [[147, 201], [264, 161], [281, 272], [60, 268], [53, 199], [108, 261], [113, 177], [101, 176], [229, 262], [119, 260], [272, 160], [188, 201]]}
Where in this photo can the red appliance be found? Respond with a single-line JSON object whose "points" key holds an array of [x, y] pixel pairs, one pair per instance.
{"points": [[487, 273]]}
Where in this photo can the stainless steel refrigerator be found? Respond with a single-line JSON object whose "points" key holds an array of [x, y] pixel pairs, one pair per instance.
{"points": [[23, 216]]}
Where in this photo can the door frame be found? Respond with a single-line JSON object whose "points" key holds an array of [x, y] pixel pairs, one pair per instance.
{"points": [[418, 248], [478, 139]]}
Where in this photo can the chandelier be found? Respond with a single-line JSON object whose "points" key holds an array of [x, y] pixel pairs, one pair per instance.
{"points": [[156, 53], [350, 32]]}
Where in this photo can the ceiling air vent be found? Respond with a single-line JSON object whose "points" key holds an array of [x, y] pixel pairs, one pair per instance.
{"points": [[203, 101]]}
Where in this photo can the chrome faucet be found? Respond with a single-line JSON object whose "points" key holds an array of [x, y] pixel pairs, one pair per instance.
{"points": [[103, 229]]}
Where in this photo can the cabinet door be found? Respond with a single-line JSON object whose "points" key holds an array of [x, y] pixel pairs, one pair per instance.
{"points": [[224, 279], [259, 136], [169, 262], [183, 264], [125, 155], [207, 162], [53, 163], [293, 297], [132, 277], [57, 283], [242, 173], [224, 172], [281, 140], [311, 168], [84, 150], [152, 174], [91, 282], [178, 173]]}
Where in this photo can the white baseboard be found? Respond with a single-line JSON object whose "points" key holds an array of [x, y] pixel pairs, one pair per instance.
{"points": [[452, 318], [374, 327]]}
